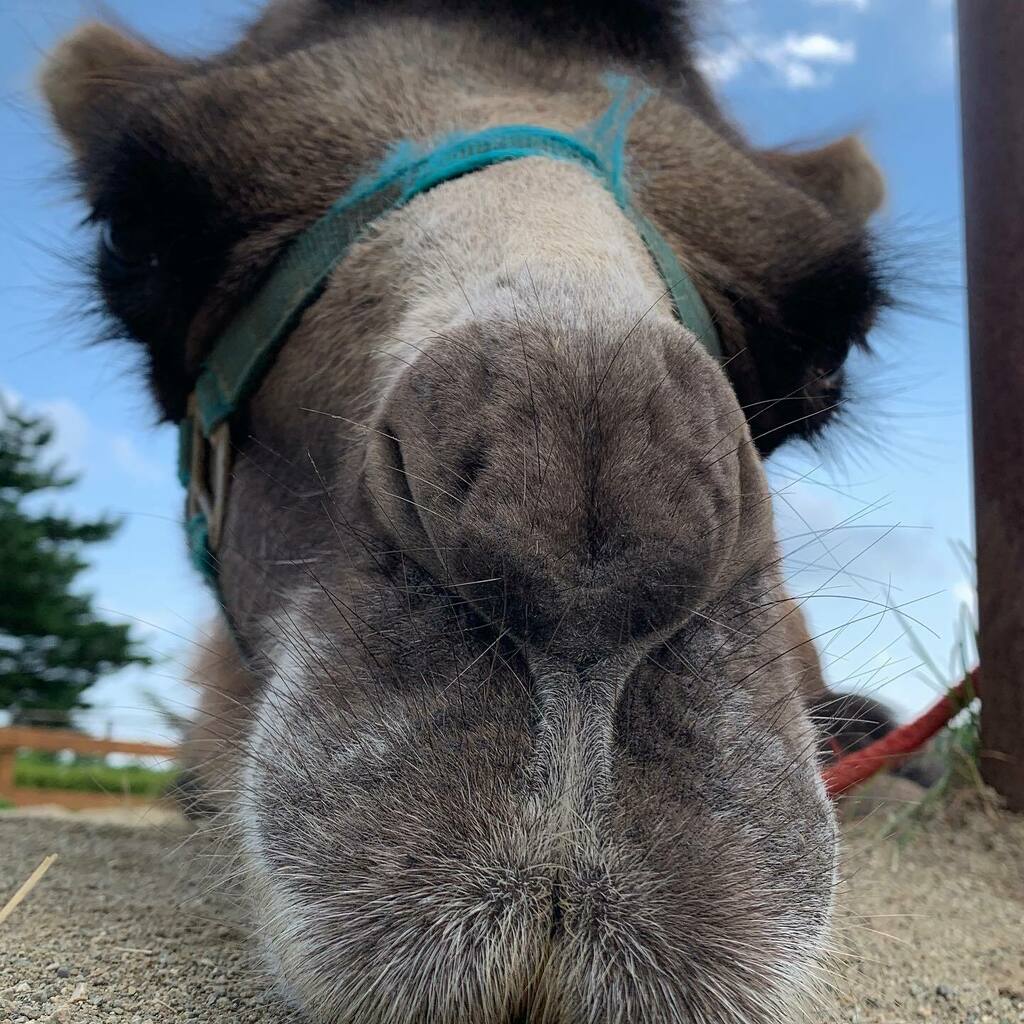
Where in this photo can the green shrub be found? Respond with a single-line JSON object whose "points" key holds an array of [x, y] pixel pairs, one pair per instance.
{"points": [[90, 774]]}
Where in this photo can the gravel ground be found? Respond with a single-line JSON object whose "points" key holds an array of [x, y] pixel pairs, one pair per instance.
{"points": [[126, 927], [933, 920]]}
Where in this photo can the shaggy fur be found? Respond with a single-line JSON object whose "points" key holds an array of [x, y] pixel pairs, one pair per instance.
{"points": [[515, 718]]}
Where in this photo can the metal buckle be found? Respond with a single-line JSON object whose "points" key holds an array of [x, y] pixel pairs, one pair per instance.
{"points": [[209, 467]]}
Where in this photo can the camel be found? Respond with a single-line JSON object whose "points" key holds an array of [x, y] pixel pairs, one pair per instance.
{"points": [[480, 321]]}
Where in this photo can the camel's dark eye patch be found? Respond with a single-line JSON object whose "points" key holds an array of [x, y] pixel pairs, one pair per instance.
{"points": [[163, 243], [123, 252], [801, 341]]}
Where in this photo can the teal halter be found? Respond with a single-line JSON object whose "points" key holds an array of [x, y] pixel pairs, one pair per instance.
{"points": [[243, 353]]}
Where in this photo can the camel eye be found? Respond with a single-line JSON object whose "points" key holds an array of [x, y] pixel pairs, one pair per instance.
{"points": [[123, 250]]}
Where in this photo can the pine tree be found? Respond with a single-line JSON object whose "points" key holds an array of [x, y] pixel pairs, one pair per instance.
{"points": [[53, 646]]}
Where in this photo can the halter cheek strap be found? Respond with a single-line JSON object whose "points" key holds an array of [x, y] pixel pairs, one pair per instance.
{"points": [[243, 353]]}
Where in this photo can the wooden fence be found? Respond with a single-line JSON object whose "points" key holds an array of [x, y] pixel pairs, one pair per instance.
{"points": [[15, 738]]}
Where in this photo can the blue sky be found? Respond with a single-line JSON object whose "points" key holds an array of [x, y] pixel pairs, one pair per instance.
{"points": [[870, 523]]}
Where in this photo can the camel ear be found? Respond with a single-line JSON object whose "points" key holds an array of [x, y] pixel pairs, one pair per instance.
{"points": [[841, 175], [92, 73]]}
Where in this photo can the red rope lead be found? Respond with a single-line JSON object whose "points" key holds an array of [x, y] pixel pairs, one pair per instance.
{"points": [[856, 767]]}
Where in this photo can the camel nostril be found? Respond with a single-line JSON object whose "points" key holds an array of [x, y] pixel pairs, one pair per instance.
{"points": [[392, 461], [387, 485]]}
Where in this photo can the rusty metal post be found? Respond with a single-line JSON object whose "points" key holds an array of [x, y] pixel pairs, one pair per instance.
{"points": [[992, 104]]}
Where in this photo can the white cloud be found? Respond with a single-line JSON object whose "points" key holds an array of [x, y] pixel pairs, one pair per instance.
{"points": [[965, 593], [71, 430], [818, 47], [857, 5], [71, 427], [723, 65], [949, 46], [77, 442], [133, 462], [800, 61]]}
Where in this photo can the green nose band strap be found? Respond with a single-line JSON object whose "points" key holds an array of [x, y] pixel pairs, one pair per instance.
{"points": [[242, 354]]}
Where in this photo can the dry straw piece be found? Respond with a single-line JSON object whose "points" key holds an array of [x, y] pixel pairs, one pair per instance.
{"points": [[26, 887]]}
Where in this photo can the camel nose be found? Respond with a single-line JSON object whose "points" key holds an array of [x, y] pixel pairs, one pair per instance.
{"points": [[581, 492]]}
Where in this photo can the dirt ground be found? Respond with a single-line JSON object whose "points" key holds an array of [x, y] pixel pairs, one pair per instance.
{"points": [[127, 928]]}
